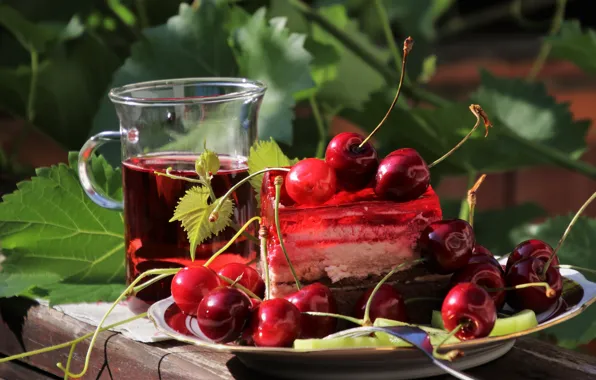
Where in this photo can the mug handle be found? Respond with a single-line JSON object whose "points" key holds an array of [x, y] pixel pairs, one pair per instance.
{"points": [[86, 176]]}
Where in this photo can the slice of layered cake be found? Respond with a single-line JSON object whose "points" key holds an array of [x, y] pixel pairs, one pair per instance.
{"points": [[349, 243]]}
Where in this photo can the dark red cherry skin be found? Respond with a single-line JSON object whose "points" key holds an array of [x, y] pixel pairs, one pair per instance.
{"points": [[275, 323], [534, 298], [315, 297], [311, 182], [469, 304], [403, 175], [531, 248], [487, 276], [222, 314], [447, 245], [190, 285], [250, 277], [386, 303], [483, 255], [355, 167]]}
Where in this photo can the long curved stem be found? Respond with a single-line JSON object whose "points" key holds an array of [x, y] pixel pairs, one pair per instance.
{"points": [[278, 182], [235, 284], [408, 44], [382, 16], [366, 318], [546, 47], [263, 234], [232, 240], [480, 115], [568, 230], [69, 360], [105, 316], [70, 343]]}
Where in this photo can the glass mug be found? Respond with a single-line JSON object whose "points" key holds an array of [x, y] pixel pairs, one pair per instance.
{"points": [[167, 124]]}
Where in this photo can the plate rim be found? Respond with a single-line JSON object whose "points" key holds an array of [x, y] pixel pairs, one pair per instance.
{"points": [[285, 350]]}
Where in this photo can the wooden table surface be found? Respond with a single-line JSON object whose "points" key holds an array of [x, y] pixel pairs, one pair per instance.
{"points": [[25, 326]]}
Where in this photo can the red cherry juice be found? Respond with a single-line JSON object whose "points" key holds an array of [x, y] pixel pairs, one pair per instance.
{"points": [[152, 241]]}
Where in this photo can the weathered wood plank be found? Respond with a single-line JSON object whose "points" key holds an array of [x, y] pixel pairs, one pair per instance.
{"points": [[18, 371], [117, 358]]}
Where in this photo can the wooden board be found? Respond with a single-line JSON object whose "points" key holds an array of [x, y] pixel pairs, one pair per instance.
{"points": [[116, 357]]}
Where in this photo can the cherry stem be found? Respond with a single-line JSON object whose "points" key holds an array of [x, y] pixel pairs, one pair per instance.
{"points": [[419, 299], [69, 360], [137, 289], [263, 237], [213, 216], [480, 115], [357, 321], [235, 284], [367, 320], [126, 292], [550, 292], [232, 240], [278, 182], [575, 267], [70, 343], [449, 356], [472, 199], [567, 230], [408, 44]]}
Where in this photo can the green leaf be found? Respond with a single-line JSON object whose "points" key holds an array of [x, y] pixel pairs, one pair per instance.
{"points": [[272, 54], [355, 80], [265, 154], [526, 109], [494, 229], [193, 211], [13, 284], [61, 293], [105, 176], [578, 249], [51, 227], [429, 68], [573, 44]]}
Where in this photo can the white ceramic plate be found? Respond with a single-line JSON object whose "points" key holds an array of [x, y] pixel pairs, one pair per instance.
{"points": [[371, 363]]}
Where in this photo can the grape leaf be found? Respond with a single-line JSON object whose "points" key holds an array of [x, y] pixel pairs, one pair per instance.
{"points": [[578, 249], [193, 211], [272, 54], [356, 80], [493, 228], [12, 284], [573, 44], [50, 228], [62, 293], [265, 154]]}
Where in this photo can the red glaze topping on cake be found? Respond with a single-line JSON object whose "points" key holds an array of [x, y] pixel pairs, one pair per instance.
{"points": [[352, 235]]}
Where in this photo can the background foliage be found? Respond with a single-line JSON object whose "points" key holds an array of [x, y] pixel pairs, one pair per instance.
{"points": [[333, 57]]}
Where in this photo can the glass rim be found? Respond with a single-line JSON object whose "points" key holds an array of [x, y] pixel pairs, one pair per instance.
{"points": [[246, 88]]}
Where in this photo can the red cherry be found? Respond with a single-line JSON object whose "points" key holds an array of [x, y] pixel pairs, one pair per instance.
{"points": [[485, 275], [311, 182], [190, 285], [483, 255], [403, 175], [315, 297], [386, 303], [447, 245], [354, 166], [531, 248], [472, 306], [275, 323], [250, 277], [535, 298], [222, 314]]}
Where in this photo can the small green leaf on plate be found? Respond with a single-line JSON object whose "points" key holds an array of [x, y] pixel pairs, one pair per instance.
{"points": [[193, 212]]}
